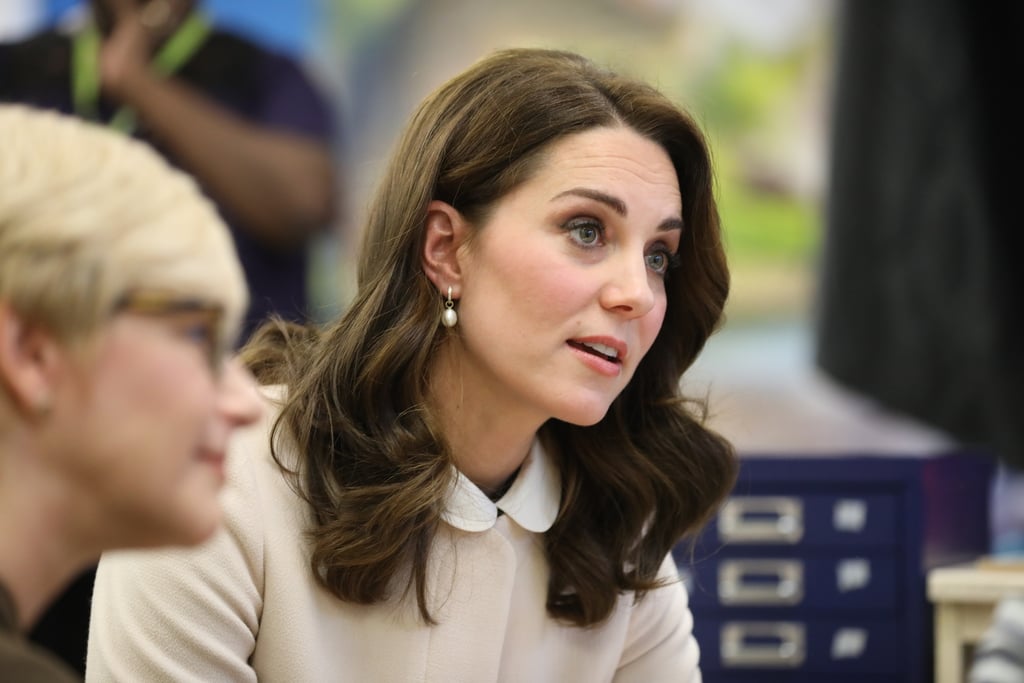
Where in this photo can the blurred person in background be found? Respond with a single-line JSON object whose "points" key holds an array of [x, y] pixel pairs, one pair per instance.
{"points": [[921, 279], [120, 297], [245, 121], [480, 470]]}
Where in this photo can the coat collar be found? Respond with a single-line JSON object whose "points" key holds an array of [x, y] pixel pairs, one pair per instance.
{"points": [[532, 501]]}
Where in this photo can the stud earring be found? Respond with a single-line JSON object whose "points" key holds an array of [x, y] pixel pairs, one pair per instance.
{"points": [[449, 318]]}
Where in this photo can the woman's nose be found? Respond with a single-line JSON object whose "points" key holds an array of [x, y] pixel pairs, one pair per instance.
{"points": [[239, 400], [629, 289]]}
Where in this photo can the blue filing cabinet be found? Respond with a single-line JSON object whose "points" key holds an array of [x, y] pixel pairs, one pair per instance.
{"points": [[815, 567]]}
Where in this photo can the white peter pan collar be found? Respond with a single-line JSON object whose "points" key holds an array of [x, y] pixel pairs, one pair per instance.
{"points": [[531, 502]]}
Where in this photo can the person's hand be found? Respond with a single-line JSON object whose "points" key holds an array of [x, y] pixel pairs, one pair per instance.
{"points": [[126, 52]]}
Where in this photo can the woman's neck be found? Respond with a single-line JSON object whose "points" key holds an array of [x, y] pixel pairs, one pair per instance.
{"points": [[484, 452], [36, 561], [488, 439], [496, 494]]}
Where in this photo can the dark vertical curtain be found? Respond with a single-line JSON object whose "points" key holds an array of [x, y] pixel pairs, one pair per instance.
{"points": [[922, 269]]}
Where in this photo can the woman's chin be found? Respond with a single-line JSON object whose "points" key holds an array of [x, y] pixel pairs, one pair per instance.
{"points": [[585, 416]]}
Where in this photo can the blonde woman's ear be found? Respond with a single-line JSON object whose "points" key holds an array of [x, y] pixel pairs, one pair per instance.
{"points": [[28, 356], [446, 231]]}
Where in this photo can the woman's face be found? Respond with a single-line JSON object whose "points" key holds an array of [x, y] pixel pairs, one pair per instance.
{"points": [[563, 288], [147, 414]]}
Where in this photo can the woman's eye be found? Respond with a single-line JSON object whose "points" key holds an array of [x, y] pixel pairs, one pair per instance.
{"points": [[659, 261], [201, 334], [204, 336], [585, 233]]}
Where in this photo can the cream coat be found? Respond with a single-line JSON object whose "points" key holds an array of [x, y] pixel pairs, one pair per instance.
{"points": [[245, 607]]}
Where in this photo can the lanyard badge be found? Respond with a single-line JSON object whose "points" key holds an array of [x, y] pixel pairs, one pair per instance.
{"points": [[85, 57]]}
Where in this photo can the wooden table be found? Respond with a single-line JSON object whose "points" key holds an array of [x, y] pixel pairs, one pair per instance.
{"points": [[965, 597]]}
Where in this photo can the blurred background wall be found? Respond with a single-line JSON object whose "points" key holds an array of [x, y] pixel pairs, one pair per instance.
{"points": [[757, 74]]}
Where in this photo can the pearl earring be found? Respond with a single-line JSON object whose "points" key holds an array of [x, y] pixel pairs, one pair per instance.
{"points": [[449, 317]]}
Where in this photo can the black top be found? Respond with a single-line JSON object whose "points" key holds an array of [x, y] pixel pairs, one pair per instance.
{"points": [[20, 660]]}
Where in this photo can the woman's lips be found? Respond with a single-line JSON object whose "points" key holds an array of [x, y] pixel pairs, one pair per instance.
{"points": [[610, 348], [597, 357]]}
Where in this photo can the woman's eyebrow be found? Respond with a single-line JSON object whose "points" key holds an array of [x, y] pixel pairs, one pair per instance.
{"points": [[616, 204], [671, 224]]}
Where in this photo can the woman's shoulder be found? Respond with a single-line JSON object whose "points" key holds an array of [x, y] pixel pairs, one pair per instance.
{"points": [[261, 452], [262, 466], [659, 636]]}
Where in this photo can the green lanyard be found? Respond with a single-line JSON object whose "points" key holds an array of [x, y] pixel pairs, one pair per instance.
{"points": [[85, 58]]}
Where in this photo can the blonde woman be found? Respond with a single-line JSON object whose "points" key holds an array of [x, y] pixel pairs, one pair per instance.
{"points": [[120, 297]]}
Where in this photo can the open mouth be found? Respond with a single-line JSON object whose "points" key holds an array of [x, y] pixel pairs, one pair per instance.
{"points": [[600, 350]]}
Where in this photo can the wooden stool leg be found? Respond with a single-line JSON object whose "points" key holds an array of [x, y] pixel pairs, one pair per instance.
{"points": [[949, 650]]}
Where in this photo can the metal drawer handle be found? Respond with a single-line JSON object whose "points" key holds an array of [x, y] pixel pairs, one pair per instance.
{"points": [[761, 582], [761, 519], [779, 644]]}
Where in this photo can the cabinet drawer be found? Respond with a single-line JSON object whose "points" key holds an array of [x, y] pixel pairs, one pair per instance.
{"points": [[806, 520], [811, 582], [796, 645], [796, 677]]}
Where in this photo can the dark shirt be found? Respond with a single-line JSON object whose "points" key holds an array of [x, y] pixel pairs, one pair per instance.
{"points": [[258, 85], [21, 661]]}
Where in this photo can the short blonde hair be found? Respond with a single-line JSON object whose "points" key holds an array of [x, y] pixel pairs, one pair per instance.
{"points": [[88, 216]]}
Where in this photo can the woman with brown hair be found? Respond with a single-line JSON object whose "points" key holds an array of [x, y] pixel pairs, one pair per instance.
{"points": [[479, 471]]}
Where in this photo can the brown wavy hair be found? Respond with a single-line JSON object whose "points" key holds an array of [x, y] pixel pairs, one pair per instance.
{"points": [[373, 463]]}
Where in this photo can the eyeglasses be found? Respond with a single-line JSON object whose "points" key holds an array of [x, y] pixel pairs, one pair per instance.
{"points": [[198, 320]]}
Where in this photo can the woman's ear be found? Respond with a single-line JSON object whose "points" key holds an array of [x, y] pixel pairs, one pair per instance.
{"points": [[28, 355], [446, 232]]}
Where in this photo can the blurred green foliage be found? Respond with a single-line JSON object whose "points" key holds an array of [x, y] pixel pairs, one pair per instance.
{"points": [[767, 227], [356, 21], [744, 99], [746, 86]]}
